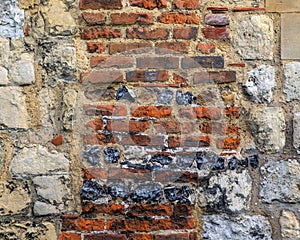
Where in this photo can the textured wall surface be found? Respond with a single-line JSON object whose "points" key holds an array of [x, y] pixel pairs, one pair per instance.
{"points": [[149, 120]]}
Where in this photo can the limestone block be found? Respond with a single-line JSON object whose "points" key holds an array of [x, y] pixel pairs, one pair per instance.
{"points": [[22, 72], [242, 227], [260, 83], [12, 103], [232, 186], [282, 6], [267, 125], [289, 225], [4, 51], [290, 35], [280, 181], [15, 197], [38, 160], [3, 76], [296, 131], [291, 86], [11, 19], [253, 36]]}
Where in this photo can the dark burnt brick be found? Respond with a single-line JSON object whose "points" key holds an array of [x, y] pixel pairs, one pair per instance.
{"points": [[94, 33], [185, 33], [203, 62], [148, 34], [99, 236], [147, 76], [181, 210], [96, 4], [109, 209]]}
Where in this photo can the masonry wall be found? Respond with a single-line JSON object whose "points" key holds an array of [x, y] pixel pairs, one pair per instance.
{"points": [[149, 119]]}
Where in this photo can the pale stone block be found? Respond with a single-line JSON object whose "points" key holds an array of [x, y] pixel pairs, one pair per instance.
{"points": [[283, 5], [289, 224], [22, 72], [296, 131], [291, 85], [3, 76]]}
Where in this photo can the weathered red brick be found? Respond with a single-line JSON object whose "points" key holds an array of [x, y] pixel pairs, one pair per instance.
{"points": [[228, 143], [69, 236], [94, 173], [140, 237], [151, 111], [182, 47], [214, 77], [181, 210], [127, 126], [186, 4], [180, 79], [150, 210], [117, 225], [147, 33], [104, 76], [218, 128], [200, 112], [217, 19], [203, 62], [118, 47], [232, 112], [185, 33], [100, 94], [158, 62], [95, 47], [109, 62], [99, 236], [172, 127], [96, 4], [88, 225], [96, 124], [206, 47], [132, 18], [149, 4], [131, 174], [105, 110], [192, 141], [109, 209], [216, 33], [172, 224], [142, 140], [93, 18], [98, 139], [94, 33], [58, 140], [179, 18], [136, 225], [147, 76]]}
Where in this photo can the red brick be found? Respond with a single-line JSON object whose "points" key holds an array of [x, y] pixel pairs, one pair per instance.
{"points": [[214, 77], [206, 47], [138, 126], [109, 62], [217, 19], [151, 111], [96, 124], [140, 237], [116, 225], [161, 224], [143, 140], [69, 236], [135, 225], [127, 126], [158, 62], [186, 4], [87, 225], [171, 236], [132, 174], [149, 4], [183, 223], [193, 141], [216, 33], [181, 210], [98, 139], [94, 173], [109, 209], [168, 126], [105, 110], [93, 18], [96, 4], [68, 224], [185, 33], [200, 112], [218, 9], [232, 112], [246, 9], [58, 140], [94, 33], [105, 76], [179, 18], [180, 79], [132, 18], [228, 143], [100, 94], [218, 128], [237, 64], [95, 47], [118, 47], [147, 33], [182, 47], [150, 210], [105, 236], [147, 76]]}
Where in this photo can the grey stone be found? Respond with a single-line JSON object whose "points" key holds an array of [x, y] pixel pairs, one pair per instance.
{"points": [[296, 131], [11, 19], [4, 51], [149, 191], [3, 76], [22, 72], [224, 227], [280, 181], [12, 103], [69, 98], [260, 83], [42, 209], [229, 191], [267, 125], [92, 155], [165, 97], [289, 225], [291, 86], [253, 36], [15, 197], [38, 160]]}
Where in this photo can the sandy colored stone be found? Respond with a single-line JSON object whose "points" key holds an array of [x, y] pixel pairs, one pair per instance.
{"points": [[26, 4], [283, 6], [22, 72], [3, 76], [289, 224]]}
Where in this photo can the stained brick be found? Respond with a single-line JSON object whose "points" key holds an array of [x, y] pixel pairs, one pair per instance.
{"points": [[206, 47], [150, 210], [218, 128], [96, 4], [135, 225], [232, 112], [132, 18], [147, 33], [158, 62], [200, 112], [124, 47], [109, 209], [95, 47], [143, 140], [69, 236], [93, 18], [216, 33], [149, 4], [185, 33], [182, 47], [96, 124], [105, 110], [147, 76], [217, 19], [117, 225], [94, 173], [179, 18], [203, 62], [109, 62], [94, 33], [104, 76], [214, 77], [175, 142], [181, 210], [186, 4], [98, 139]]}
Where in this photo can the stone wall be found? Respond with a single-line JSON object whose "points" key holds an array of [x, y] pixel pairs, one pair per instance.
{"points": [[149, 119]]}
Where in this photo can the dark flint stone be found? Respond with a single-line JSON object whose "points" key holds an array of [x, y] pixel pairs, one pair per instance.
{"points": [[254, 161], [162, 159], [243, 162], [149, 191], [205, 159], [232, 164], [92, 190], [119, 189], [219, 164], [123, 94], [92, 155], [177, 194], [184, 99], [111, 155], [165, 97]]}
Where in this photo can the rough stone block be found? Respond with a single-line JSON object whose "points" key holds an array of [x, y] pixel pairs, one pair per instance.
{"points": [[38, 160], [3, 76], [282, 6], [296, 131], [260, 83], [253, 36], [12, 103], [22, 72], [290, 35], [289, 225], [280, 181], [267, 125], [242, 227], [15, 197], [291, 85]]}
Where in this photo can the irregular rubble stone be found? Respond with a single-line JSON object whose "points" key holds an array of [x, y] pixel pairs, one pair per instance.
{"points": [[38, 160], [111, 155], [267, 125], [92, 190], [184, 98], [296, 131], [161, 159], [253, 36], [289, 225], [12, 103], [69, 98], [124, 94], [4, 51], [243, 227], [119, 189], [178, 194], [42, 209], [165, 97], [291, 86], [230, 190], [260, 83], [22, 72], [3, 76], [15, 197], [280, 181], [147, 192], [92, 155], [11, 19]]}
